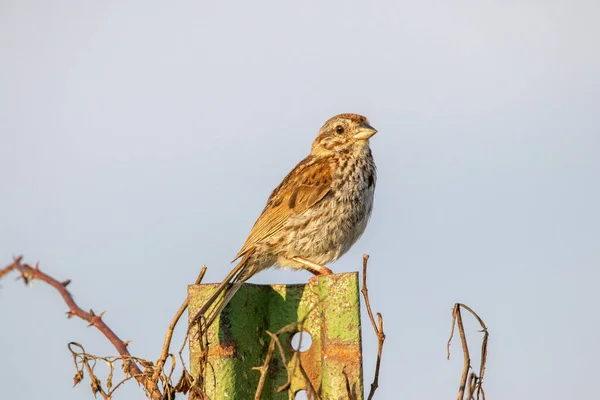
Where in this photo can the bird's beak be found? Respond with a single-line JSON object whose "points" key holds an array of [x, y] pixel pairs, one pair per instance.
{"points": [[365, 132]]}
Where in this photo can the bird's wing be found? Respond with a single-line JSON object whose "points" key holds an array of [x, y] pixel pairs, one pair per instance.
{"points": [[308, 183]]}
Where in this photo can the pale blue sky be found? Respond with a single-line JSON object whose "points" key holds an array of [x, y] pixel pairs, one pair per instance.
{"points": [[140, 140]]}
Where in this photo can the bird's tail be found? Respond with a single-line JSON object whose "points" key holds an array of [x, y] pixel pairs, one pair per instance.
{"points": [[212, 307], [222, 302]]}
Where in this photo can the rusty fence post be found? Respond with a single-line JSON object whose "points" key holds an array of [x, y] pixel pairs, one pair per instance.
{"points": [[329, 307]]}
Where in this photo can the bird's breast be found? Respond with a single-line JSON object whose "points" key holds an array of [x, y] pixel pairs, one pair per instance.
{"points": [[329, 228]]}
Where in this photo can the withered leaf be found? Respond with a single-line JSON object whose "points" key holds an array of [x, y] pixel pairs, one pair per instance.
{"points": [[184, 384], [96, 385], [77, 378]]}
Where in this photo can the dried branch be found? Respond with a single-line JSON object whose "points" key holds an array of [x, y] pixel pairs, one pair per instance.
{"points": [[287, 384], [9, 268], [152, 374], [475, 382], [378, 328], [264, 369], [294, 326], [169, 335], [29, 273]]}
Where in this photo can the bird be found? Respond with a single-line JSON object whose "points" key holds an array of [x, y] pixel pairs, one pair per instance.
{"points": [[315, 215]]}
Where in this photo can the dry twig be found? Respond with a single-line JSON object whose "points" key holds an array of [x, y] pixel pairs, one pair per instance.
{"points": [[378, 328], [475, 382], [169, 335], [264, 368]]}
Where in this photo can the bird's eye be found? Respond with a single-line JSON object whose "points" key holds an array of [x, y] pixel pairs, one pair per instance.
{"points": [[339, 129]]}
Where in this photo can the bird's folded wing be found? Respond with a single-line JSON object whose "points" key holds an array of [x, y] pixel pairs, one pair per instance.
{"points": [[308, 183]]}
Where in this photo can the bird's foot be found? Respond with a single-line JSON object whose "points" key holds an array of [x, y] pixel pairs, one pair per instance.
{"points": [[314, 268]]}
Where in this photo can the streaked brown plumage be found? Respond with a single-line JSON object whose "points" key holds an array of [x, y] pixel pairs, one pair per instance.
{"points": [[317, 212]]}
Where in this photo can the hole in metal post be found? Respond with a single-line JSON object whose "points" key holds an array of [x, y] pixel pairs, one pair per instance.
{"points": [[301, 341], [301, 395]]}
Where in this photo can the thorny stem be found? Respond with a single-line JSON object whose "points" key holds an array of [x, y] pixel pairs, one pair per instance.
{"points": [[10, 267], [29, 274]]}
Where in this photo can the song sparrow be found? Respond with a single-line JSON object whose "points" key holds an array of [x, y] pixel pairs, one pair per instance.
{"points": [[317, 212]]}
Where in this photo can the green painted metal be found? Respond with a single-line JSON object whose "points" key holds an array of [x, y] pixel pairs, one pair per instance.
{"points": [[328, 308]]}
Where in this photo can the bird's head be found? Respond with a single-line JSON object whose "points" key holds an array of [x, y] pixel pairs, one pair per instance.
{"points": [[341, 133]]}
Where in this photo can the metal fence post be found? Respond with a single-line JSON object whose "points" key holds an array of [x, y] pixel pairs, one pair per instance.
{"points": [[332, 365]]}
